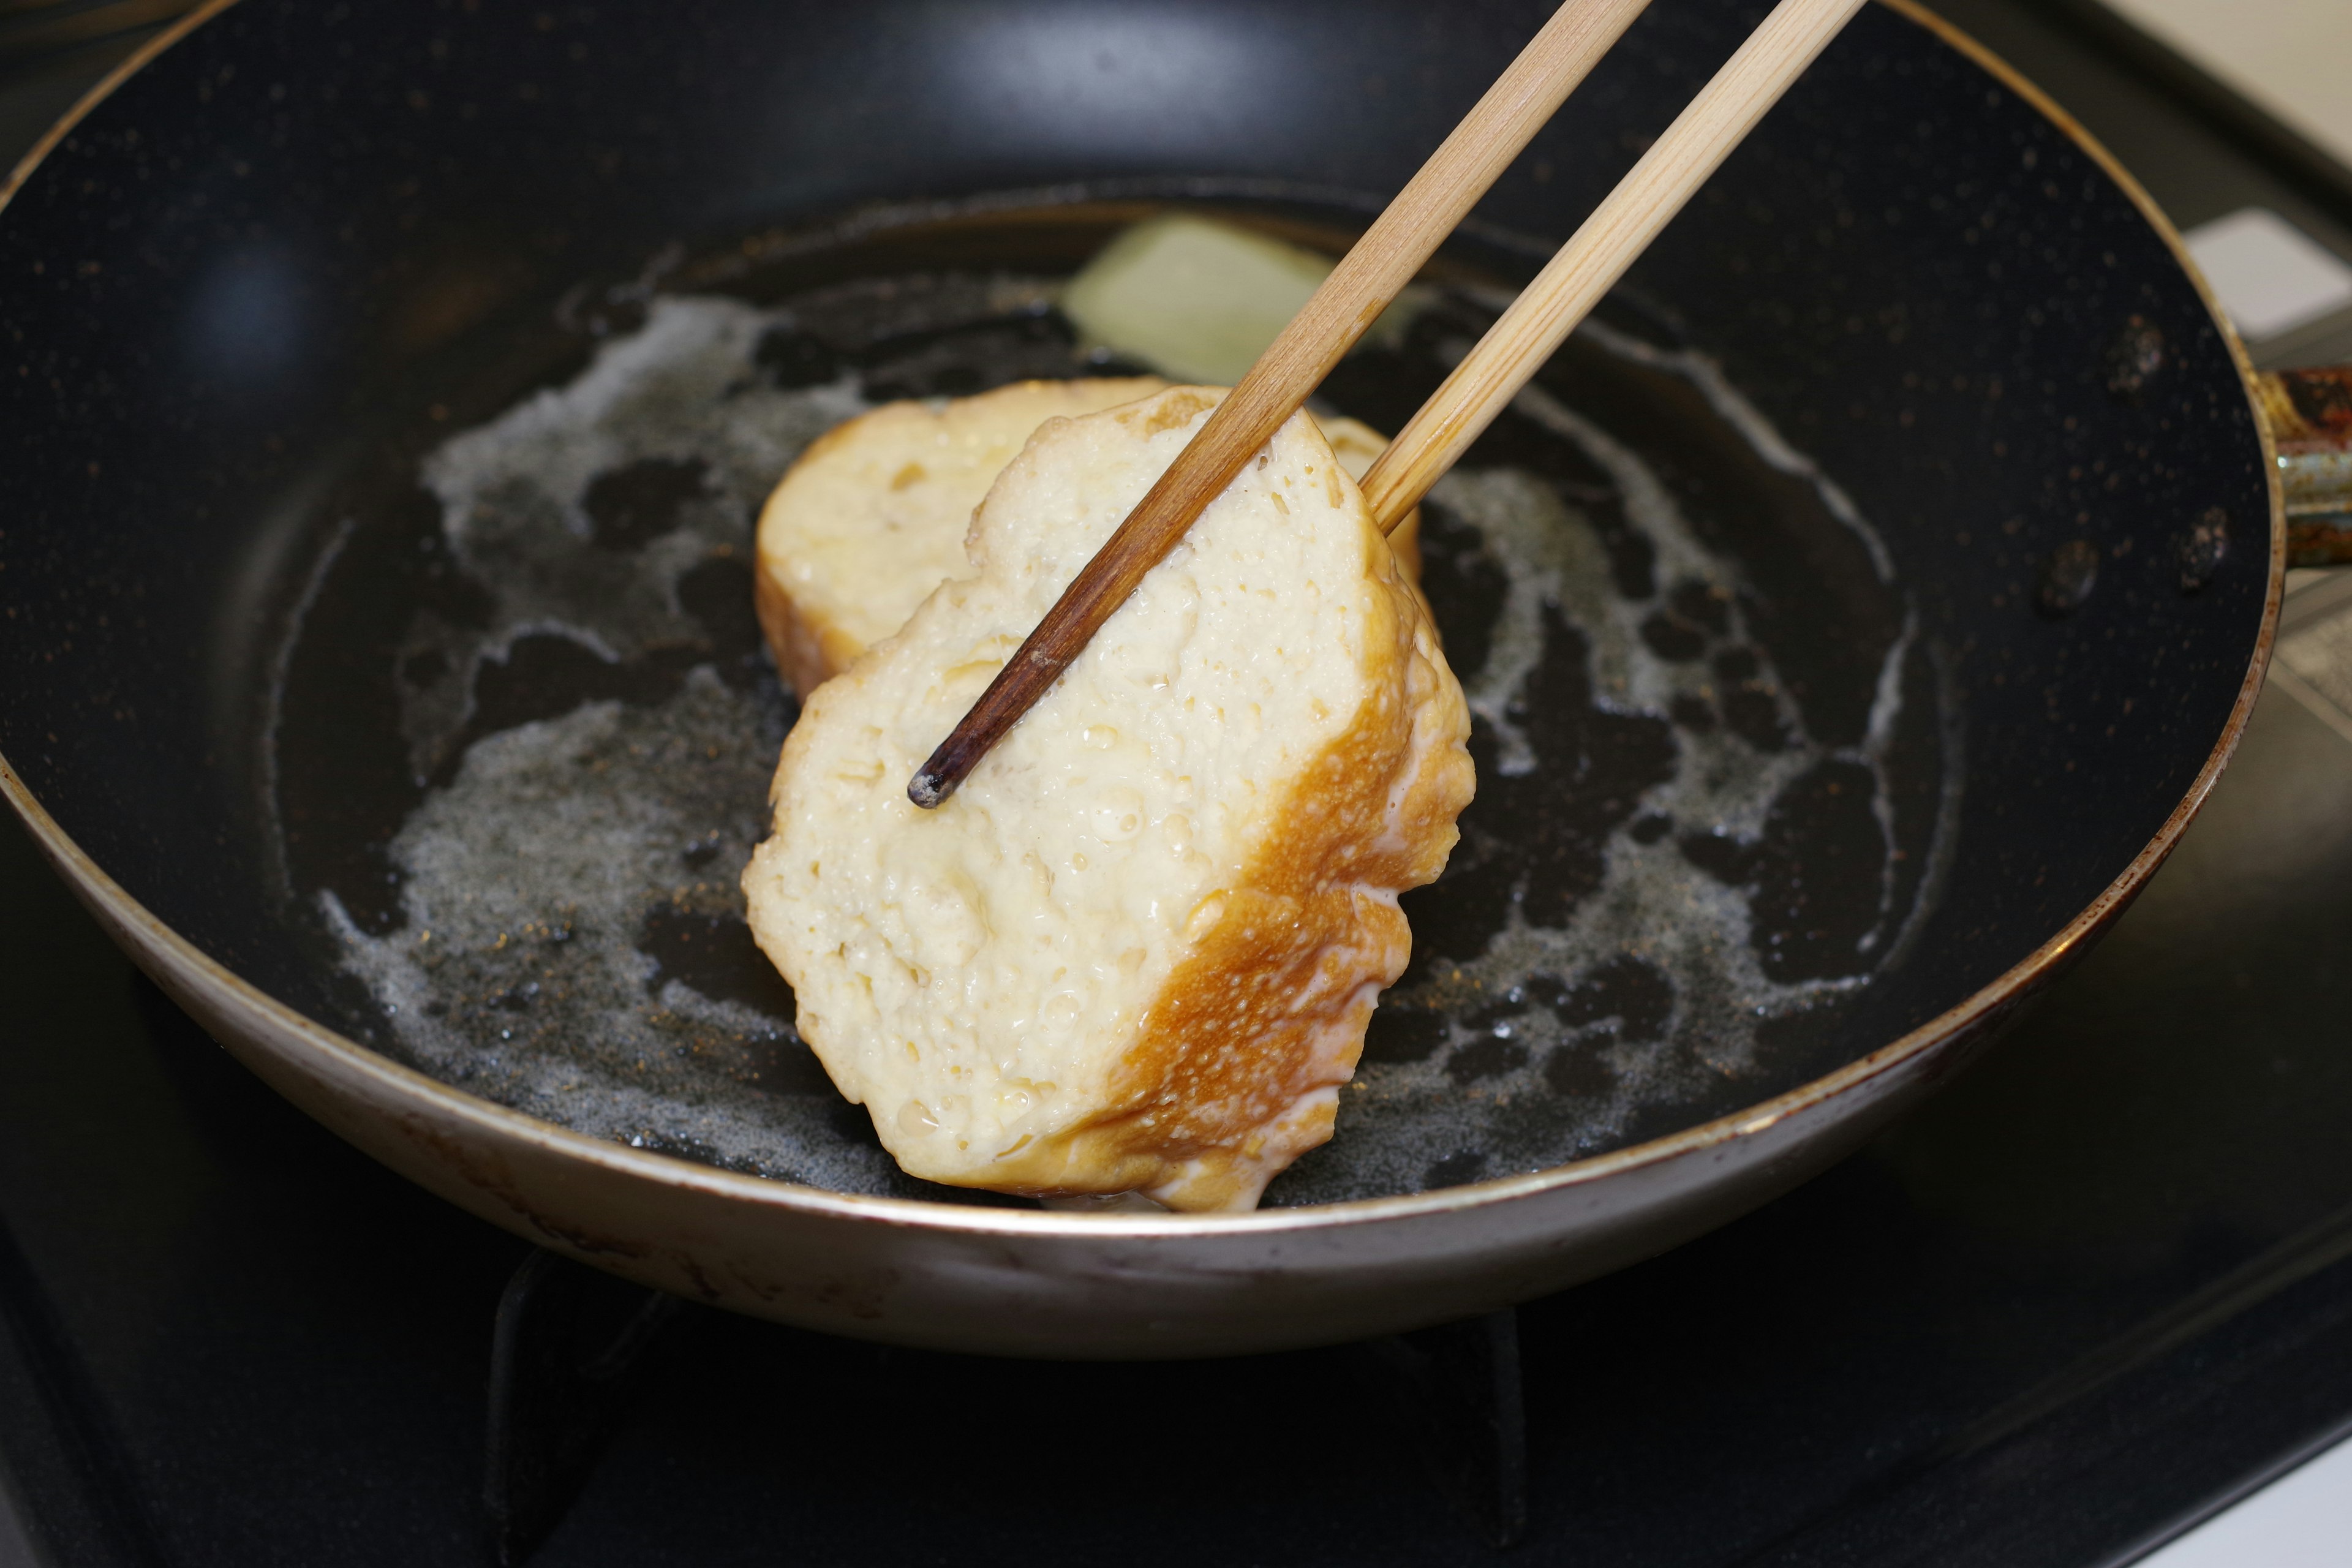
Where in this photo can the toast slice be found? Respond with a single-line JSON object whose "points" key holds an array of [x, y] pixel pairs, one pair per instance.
{"points": [[1136, 951], [873, 516]]}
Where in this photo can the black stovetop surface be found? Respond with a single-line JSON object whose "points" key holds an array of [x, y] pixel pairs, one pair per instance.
{"points": [[2099, 1288]]}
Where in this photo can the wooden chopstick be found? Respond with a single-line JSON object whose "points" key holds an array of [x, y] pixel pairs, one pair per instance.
{"points": [[1367, 279], [1392, 250], [1600, 251]]}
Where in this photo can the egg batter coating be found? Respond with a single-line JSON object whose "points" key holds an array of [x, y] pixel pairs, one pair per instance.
{"points": [[873, 516]]}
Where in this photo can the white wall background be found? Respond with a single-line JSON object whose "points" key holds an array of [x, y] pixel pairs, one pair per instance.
{"points": [[2291, 56]]}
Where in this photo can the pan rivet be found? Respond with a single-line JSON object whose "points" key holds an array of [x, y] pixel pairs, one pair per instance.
{"points": [[2067, 578], [2201, 548], [2134, 357]]}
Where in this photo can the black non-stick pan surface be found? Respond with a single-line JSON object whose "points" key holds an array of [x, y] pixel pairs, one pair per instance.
{"points": [[390, 391]]}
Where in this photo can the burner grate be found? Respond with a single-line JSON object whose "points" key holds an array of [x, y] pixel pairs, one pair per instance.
{"points": [[571, 1349]]}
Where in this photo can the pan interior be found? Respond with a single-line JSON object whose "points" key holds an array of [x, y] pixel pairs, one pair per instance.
{"points": [[523, 726]]}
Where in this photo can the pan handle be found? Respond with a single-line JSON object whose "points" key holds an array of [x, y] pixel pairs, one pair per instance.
{"points": [[2310, 416]]}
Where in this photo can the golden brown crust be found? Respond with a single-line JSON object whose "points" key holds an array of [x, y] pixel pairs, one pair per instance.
{"points": [[808, 652], [808, 649], [1406, 543], [1229, 1080]]}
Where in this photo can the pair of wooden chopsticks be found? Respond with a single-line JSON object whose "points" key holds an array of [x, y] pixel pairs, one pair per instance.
{"points": [[1371, 275]]}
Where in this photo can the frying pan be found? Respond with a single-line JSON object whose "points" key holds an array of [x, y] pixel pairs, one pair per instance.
{"points": [[1995, 468]]}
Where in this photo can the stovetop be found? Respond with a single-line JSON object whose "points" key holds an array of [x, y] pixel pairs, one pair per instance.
{"points": [[2097, 1288]]}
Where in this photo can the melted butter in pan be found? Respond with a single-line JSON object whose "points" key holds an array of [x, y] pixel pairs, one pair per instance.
{"points": [[1712, 796]]}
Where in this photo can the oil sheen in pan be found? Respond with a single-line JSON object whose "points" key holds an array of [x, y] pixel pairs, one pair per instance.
{"points": [[1716, 776]]}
